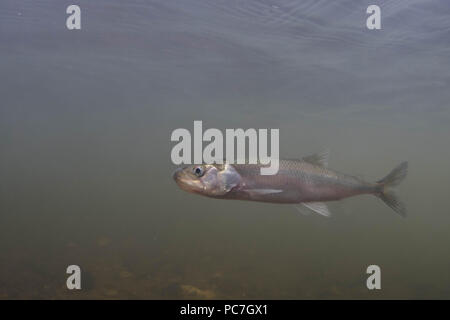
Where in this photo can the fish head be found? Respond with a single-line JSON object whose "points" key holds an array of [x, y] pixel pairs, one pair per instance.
{"points": [[213, 180]]}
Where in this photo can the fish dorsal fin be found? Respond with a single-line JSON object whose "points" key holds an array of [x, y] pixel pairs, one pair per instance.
{"points": [[318, 159], [318, 207]]}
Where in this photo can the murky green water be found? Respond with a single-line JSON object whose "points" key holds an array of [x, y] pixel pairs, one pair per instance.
{"points": [[85, 124]]}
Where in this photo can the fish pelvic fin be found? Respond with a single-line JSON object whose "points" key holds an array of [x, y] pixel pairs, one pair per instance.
{"points": [[385, 192], [318, 207]]}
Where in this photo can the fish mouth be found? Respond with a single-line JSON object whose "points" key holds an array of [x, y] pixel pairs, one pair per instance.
{"points": [[176, 174], [185, 182]]}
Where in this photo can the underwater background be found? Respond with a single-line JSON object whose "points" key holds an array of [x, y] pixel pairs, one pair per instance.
{"points": [[85, 170]]}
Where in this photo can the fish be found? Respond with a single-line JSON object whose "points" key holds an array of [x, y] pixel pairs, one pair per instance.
{"points": [[305, 182]]}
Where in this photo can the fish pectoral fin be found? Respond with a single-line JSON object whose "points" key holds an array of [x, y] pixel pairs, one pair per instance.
{"points": [[318, 207], [263, 191], [318, 159]]}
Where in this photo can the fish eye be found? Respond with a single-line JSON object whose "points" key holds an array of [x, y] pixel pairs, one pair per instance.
{"points": [[198, 171]]}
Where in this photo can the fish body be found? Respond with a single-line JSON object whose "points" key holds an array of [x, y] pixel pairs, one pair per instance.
{"points": [[307, 181], [296, 181]]}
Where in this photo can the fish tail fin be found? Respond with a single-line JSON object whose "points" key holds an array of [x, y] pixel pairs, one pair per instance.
{"points": [[385, 193]]}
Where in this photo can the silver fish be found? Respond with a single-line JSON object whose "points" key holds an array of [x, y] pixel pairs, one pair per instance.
{"points": [[307, 182]]}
